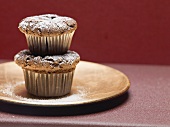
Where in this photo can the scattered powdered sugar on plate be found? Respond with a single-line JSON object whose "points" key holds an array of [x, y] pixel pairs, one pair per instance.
{"points": [[9, 91], [8, 88]]}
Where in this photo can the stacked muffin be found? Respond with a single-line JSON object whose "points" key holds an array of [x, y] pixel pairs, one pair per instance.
{"points": [[48, 65]]}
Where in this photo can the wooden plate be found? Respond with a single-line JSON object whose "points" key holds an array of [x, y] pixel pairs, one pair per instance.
{"points": [[92, 83]]}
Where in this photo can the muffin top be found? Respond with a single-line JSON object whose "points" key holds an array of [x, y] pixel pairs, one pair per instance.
{"points": [[47, 64], [47, 25]]}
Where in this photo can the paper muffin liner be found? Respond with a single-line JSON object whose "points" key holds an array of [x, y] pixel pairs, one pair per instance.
{"points": [[48, 84], [49, 45]]}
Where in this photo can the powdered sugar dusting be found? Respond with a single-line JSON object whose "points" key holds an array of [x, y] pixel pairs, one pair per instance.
{"points": [[13, 90], [47, 24]]}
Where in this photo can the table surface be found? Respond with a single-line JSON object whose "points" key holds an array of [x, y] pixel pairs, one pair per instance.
{"points": [[147, 103]]}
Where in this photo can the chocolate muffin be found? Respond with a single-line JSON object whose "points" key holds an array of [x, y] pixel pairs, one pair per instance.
{"points": [[48, 76], [48, 34]]}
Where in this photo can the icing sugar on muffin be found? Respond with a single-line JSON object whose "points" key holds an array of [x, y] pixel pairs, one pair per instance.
{"points": [[48, 76], [48, 34]]}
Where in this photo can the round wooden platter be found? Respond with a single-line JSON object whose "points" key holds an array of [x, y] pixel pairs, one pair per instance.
{"points": [[92, 83]]}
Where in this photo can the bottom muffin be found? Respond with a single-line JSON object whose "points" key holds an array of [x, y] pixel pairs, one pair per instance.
{"points": [[48, 76]]}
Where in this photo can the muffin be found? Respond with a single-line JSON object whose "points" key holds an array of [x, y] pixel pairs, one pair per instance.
{"points": [[48, 76], [48, 34]]}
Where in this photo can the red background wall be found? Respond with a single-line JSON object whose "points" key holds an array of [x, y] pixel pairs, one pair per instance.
{"points": [[119, 31]]}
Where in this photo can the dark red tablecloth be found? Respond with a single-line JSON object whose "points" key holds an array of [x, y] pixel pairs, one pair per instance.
{"points": [[147, 103]]}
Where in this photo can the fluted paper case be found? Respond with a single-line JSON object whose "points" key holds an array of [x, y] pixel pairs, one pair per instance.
{"points": [[48, 84]]}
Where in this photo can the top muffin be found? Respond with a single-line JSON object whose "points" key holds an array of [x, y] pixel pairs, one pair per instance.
{"points": [[47, 25]]}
